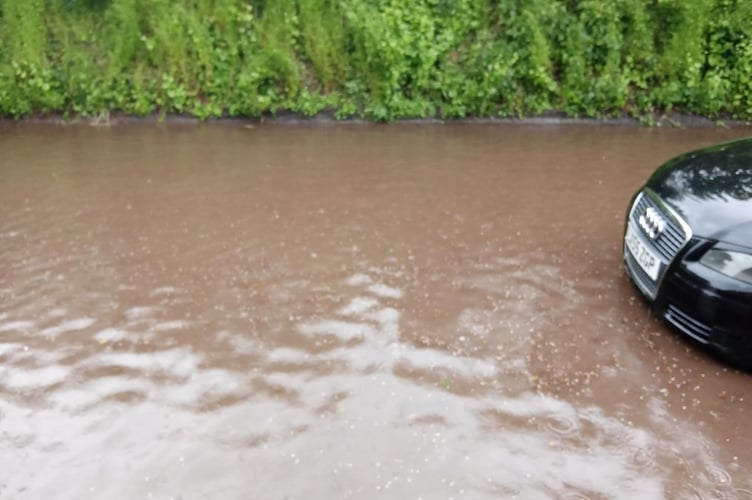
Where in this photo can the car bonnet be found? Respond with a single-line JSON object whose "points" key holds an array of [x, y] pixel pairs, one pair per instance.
{"points": [[712, 190]]}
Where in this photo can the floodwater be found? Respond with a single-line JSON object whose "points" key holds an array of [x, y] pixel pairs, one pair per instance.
{"points": [[345, 311]]}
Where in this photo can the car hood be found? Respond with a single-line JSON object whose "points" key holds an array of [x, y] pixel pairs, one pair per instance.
{"points": [[711, 189]]}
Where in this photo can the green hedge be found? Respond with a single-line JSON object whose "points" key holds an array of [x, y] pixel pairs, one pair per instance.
{"points": [[378, 59]]}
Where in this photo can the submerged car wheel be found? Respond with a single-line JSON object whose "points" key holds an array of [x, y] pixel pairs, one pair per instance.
{"points": [[688, 246]]}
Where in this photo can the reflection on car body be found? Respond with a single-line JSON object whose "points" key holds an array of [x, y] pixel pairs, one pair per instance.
{"points": [[688, 246]]}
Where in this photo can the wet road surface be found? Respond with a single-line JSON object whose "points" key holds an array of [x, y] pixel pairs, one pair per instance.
{"points": [[345, 311]]}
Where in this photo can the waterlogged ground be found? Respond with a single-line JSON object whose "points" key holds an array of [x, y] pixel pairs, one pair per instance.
{"points": [[320, 312]]}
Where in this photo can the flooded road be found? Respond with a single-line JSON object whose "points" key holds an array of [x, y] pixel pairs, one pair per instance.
{"points": [[345, 311]]}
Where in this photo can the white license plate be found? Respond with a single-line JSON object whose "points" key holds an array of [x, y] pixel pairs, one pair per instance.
{"points": [[645, 257]]}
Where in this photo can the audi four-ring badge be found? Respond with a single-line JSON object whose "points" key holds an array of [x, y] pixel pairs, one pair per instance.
{"points": [[688, 246]]}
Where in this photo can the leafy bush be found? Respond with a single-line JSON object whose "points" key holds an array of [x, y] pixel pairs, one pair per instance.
{"points": [[378, 59]]}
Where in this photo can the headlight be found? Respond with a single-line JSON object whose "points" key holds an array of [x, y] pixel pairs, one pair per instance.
{"points": [[737, 265]]}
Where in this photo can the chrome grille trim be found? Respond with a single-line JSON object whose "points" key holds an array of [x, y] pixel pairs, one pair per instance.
{"points": [[676, 233], [689, 325], [668, 244]]}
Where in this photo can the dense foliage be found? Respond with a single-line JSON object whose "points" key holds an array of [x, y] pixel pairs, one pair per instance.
{"points": [[379, 59]]}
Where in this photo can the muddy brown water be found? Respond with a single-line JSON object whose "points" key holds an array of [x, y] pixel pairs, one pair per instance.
{"points": [[345, 311]]}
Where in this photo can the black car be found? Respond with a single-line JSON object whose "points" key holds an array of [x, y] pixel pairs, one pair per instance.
{"points": [[688, 246]]}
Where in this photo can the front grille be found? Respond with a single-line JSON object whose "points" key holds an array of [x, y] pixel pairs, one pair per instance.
{"points": [[672, 239], [687, 324], [668, 244]]}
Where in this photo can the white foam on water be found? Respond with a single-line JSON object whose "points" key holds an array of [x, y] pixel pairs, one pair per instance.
{"points": [[57, 313], [20, 326], [288, 355], [138, 312], [359, 305], [205, 386], [388, 320], [385, 291], [359, 279], [68, 326], [9, 348], [178, 362], [170, 325], [432, 359], [19, 378], [241, 344], [110, 335], [163, 290], [342, 329]]}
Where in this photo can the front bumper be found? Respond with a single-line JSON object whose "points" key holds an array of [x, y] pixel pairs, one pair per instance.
{"points": [[709, 307]]}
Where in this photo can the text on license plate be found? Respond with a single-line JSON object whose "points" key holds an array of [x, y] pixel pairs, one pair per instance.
{"points": [[645, 257]]}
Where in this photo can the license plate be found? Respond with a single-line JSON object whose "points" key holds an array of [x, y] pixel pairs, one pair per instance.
{"points": [[645, 257]]}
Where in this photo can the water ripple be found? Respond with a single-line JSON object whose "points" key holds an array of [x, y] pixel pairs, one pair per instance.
{"points": [[67, 326], [16, 326], [563, 425], [38, 378], [177, 362]]}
